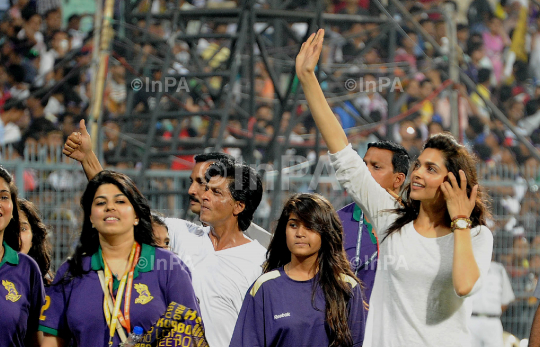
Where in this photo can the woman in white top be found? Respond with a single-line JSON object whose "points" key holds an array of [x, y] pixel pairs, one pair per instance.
{"points": [[434, 251]]}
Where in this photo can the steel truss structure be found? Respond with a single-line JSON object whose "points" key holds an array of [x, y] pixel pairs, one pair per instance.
{"points": [[260, 31]]}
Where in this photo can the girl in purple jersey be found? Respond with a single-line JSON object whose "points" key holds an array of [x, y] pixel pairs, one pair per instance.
{"points": [[308, 296], [34, 238], [21, 288]]}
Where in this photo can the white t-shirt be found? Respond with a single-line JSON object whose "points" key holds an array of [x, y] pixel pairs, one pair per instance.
{"points": [[413, 302], [9, 133], [496, 292], [221, 279], [253, 232]]}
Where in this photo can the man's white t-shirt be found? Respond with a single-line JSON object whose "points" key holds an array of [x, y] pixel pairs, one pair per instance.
{"points": [[495, 293], [221, 279], [9, 133]]}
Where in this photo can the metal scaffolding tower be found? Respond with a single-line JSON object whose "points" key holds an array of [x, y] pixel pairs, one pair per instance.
{"points": [[219, 79]]}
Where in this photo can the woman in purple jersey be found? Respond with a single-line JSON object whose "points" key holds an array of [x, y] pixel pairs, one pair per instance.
{"points": [[34, 238], [308, 296], [21, 288], [116, 271]]}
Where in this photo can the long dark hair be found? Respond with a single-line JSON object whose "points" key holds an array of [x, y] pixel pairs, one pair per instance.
{"points": [[12, 233], [456, 157], [41, 248], [316, 213], [89, 239]]}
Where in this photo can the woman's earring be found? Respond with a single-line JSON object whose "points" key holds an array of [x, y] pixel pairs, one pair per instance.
{"points": [[136, 222]]}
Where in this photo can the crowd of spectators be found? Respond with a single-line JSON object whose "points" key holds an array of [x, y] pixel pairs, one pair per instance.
{"points": [[45, 78]]}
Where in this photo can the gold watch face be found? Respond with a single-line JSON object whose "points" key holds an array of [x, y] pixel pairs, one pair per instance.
{"points": [[462, 224]]}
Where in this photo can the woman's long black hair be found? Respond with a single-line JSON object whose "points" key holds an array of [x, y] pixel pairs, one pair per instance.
{"points": [[89, 239], [12, 233], [456, 157], [317, 214], [41, 247]]}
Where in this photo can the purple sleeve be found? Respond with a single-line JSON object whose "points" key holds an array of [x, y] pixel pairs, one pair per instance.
{"points": [[537, 291], [249, 330], [179, 286], [53, 320], [357, 319], [38, 299]]}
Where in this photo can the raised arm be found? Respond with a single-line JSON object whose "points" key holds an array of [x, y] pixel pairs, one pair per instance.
{"points": [[78, 146], [351, 172], [328, 125]]}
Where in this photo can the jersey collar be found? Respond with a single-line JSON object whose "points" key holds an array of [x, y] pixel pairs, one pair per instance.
{"points": [[10, 255], [357, 213], [148, 253]]}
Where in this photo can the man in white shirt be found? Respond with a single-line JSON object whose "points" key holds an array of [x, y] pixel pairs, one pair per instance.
{"points": [[60, 46], [223, 261], [488, 305], [9, 131]]}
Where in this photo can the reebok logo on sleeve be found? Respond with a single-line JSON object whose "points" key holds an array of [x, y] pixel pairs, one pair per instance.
{"points": [[278, 316]]}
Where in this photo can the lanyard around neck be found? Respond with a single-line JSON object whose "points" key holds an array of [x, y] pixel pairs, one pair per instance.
{"points": [[112, 319], [359, 244]]}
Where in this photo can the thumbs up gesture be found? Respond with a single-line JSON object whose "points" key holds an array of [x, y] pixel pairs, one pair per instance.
{"points": [[79, 144]]}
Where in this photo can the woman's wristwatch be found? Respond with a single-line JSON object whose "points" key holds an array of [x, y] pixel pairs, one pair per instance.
{"points": [[461, 223]]}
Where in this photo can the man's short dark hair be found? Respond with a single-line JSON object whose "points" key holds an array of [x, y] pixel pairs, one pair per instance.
{"points": [[245, 185], [212, 156], [17, 72], [51, 11], [473, 47], [14, 105], [73, 17], [462, 26], [400, 157], [484, 75], [28, 12]]}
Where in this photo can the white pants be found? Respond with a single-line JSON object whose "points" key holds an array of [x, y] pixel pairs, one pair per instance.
{"points": [[486, 332]]}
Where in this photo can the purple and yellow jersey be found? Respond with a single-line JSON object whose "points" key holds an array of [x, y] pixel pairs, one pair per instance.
{"points": [[278, 311], [21, 297], [74, 307]]}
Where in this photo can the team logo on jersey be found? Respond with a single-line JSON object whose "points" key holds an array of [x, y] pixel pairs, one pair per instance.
{"points": [[144, 294], [12, 292]]}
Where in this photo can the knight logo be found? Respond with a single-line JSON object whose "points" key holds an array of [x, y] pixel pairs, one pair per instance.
{"points": [[12, 295], [278, 316], [144, 294]]}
